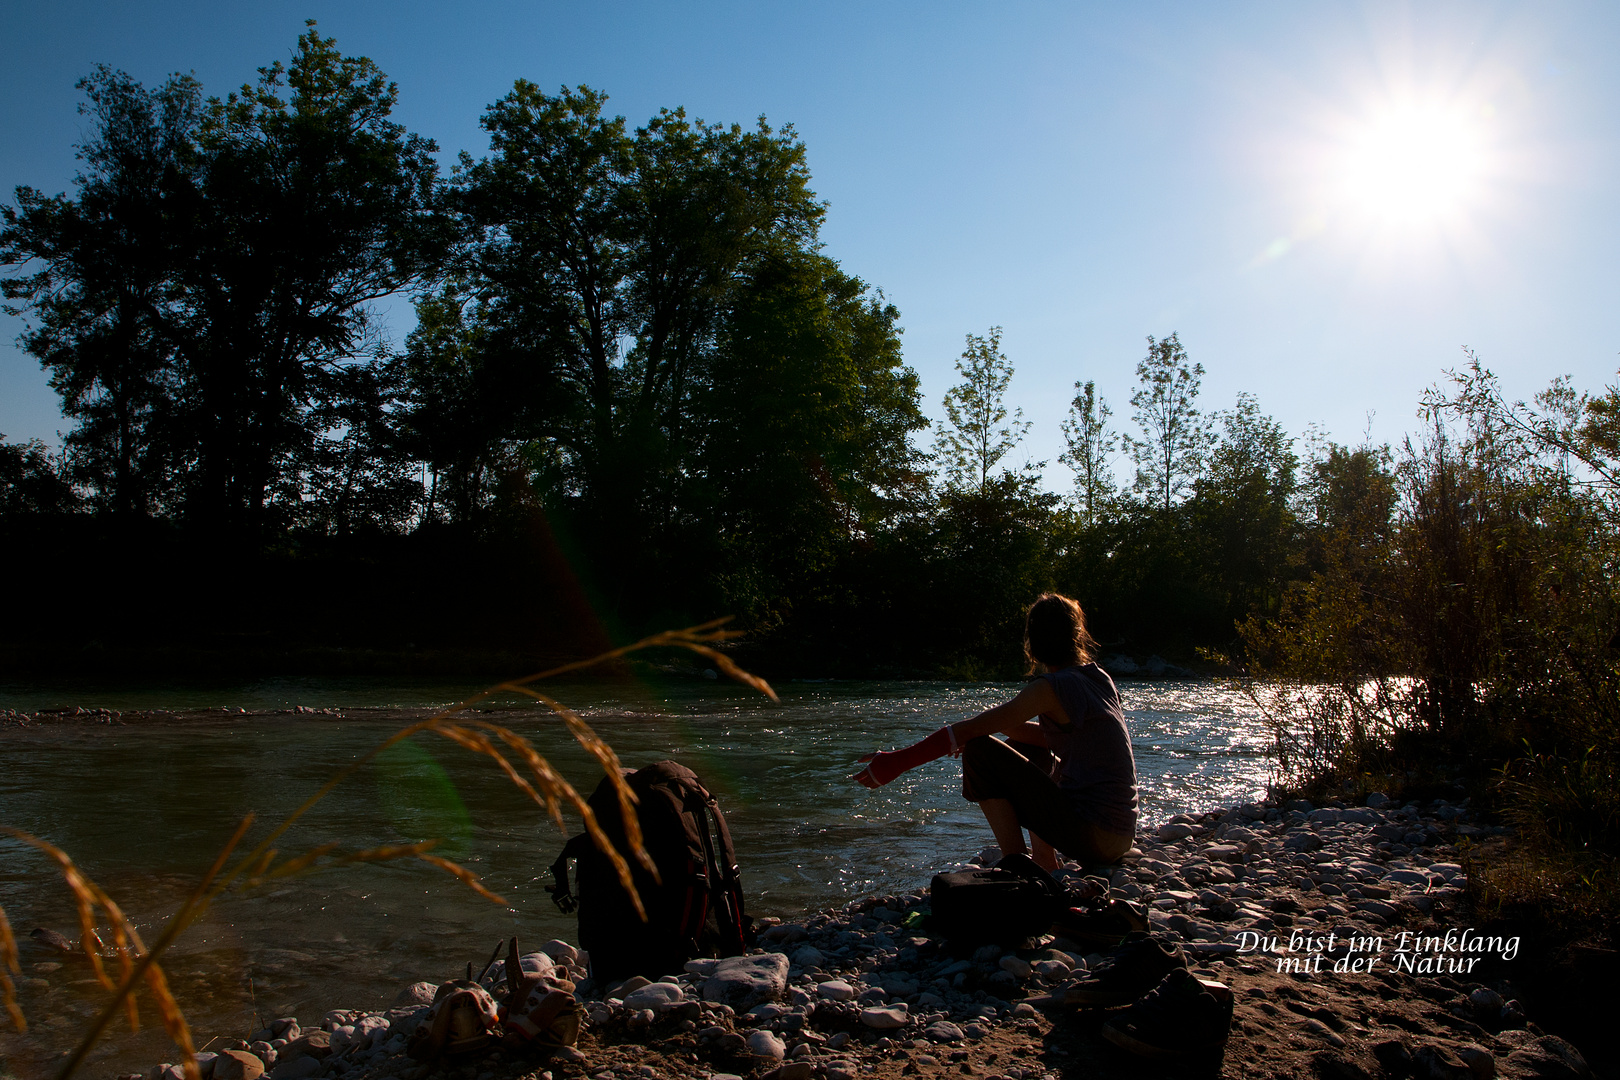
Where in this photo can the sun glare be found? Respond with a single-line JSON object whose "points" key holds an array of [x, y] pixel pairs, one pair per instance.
{"points": [[1414, 164]]}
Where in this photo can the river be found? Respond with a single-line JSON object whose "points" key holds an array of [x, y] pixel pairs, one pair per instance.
{"points": [[144, 807]]}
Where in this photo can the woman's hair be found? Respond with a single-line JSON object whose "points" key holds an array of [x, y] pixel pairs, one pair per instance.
{"points": [[1055, 633]]}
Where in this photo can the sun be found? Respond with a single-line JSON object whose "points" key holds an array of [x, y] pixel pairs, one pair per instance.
{"points": [[1413, 163]]}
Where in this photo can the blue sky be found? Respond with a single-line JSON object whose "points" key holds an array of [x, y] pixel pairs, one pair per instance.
{"points": [[1326, 201]]}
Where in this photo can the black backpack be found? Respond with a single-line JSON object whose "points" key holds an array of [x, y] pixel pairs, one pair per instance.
{"points": [[1005, 903], [697, 909]]}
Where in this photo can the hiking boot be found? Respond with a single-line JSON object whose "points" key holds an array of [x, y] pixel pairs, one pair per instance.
{"points": [[1128, 972], [1182, 1016], [1102, 926]]}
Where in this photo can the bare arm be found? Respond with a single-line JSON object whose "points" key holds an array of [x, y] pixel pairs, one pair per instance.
{"points": [[1015, 718]]}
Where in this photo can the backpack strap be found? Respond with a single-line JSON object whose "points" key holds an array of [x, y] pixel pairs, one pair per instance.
{"points": [[559, 873]]}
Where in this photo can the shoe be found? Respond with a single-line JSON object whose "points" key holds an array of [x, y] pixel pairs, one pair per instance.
{"points": [[1127, 973], [1103, 925], [1182, 1016]]}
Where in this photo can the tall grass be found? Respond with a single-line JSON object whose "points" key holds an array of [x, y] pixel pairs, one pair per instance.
{"points": [[511, 753]]}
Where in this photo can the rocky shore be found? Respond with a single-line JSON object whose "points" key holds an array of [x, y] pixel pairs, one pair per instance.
{"points": [[1337, 928]]}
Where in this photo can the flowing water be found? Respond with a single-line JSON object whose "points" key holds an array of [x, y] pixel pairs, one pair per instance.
{"points": [[143, 808]]}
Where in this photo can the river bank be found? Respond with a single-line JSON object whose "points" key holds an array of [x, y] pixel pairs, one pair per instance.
{"points": [[1342, 931]]}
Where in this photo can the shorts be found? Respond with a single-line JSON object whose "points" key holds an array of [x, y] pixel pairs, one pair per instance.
{"points": [[991, 769]]}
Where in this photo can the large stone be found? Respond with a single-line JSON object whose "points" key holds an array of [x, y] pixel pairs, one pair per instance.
{"points": [[658, 996], [808, 956], [315, 1044], [793, 1070], [944, 1031], [745, 981], [886, 1017], [764, 1044], [418, 993], [836, 990], [299, 1068], [1174, 830], [237, 1065], [560, 951]]}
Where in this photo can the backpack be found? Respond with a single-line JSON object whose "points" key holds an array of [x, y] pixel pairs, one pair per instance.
{"points": [[697, 908], [1005, 903]]}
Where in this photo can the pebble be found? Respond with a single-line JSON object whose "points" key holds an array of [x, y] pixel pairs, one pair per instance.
{"points": [[764, 1044], [836, 990], [886, 1017]]}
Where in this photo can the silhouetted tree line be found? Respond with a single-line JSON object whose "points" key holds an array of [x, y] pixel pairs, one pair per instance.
{"points": [[638, 394]]}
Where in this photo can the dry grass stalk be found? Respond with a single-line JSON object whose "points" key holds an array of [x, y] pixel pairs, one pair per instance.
{"points": [[10, 960], [549, 791]]}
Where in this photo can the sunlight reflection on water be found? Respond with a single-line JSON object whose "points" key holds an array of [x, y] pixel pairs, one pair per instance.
{"points": [[143, 808]]}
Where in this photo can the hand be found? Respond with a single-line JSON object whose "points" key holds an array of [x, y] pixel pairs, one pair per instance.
{"points": [[865, 777]]}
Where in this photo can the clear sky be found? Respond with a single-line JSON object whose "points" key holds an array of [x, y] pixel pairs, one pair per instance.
{"points": [[1327, 201]]}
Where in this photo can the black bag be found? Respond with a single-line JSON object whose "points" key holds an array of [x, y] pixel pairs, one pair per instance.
{"points": [[697, 909], [1006, 903]]}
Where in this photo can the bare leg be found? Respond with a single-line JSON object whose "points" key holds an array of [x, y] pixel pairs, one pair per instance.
{"points": [[1003, 821], [1044, 854]]}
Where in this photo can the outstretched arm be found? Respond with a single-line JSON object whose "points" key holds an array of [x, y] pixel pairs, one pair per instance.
{"points": [[1014, 718]]}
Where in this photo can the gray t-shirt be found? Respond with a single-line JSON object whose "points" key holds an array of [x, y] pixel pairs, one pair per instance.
{"points": [[1097, 772]]}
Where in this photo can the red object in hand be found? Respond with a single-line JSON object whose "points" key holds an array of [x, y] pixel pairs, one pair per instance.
{"points": [[888, 764]]}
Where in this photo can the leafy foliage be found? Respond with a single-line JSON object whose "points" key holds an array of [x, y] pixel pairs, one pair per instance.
{"points": [[977, 433]]}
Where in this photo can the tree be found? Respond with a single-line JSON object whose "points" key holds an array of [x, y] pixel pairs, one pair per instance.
{"points": [[977, 433], [315, 205], [1090, 450], [1171, 452], [103, 285], [30, 482], [1244, 508]]}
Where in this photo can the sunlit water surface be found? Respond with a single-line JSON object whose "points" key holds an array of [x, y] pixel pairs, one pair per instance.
{"points": [[144, 808]]}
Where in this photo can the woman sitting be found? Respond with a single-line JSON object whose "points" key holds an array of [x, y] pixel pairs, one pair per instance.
{"points": [[1066, 772]]}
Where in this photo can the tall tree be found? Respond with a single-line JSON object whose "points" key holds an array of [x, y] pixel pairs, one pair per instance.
{"points": [[102, 284], [1090, 450], [977, 432], [1175, 436], [1244, 507], [315, 206]]}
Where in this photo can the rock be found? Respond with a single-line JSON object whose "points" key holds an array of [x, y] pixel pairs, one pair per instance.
{"points": [[1016, 967], [808, 956], [571, 1054], [1486, 1002], [764, 1044], [1440, 1063], [1331, 1065], [1323, 1032], [836, 990], [793, 1070], [51, 940], [632, 984], [1480, 1060], [298, 1068], [1173, 831], [886, 1017], [418, 993], [1224, 853], [315, 1044], [1378, 800], [237, 1065], [745, 981], [1302, 841], [944, 1031], [1548, 1058], [560, 951], [658, 996]]}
